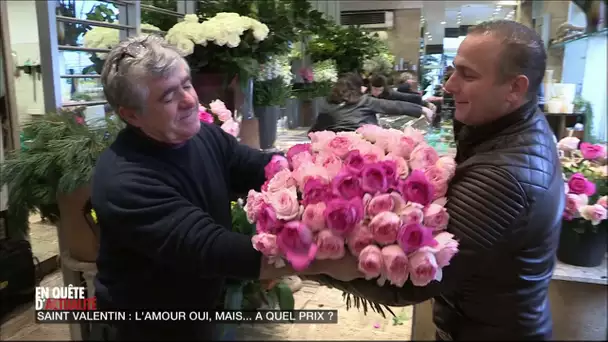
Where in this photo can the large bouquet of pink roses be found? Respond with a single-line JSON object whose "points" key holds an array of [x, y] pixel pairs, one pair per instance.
{"points": [[376, 193], [220, 115]]}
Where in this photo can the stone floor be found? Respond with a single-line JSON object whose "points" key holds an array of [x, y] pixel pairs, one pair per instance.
{"points": [[43, 237]]}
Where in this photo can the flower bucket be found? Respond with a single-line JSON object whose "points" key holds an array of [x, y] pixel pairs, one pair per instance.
{"points": [[267, 125], [293, 113], [309, 110], [75, 233], [579, 245]]}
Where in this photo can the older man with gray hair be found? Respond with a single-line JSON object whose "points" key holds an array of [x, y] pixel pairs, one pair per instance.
{"points": [[162, 197]]}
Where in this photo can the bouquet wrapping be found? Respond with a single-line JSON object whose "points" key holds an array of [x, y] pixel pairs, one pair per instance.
{"points": [[376, 193]]}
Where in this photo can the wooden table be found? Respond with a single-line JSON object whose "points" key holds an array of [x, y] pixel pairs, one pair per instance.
{"points": [[578, 299]]}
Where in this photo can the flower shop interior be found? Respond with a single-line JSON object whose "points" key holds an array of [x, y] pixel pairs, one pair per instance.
{"points": [[54, 115]]}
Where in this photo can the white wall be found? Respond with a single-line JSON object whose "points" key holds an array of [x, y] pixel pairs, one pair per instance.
{"points": [[23, 30]]}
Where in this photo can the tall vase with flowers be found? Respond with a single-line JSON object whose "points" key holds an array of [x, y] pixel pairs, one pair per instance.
{"points": [[585, 217], [271, 89]]}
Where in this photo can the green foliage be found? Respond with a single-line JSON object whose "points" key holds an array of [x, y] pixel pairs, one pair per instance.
{"points": [[272, 92], [348, 46], [309, 91], [162, 21], [60, 156]]}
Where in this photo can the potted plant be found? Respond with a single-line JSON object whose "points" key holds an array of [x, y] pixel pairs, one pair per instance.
{"points": [[53, 173], [271, 89], [318, 81], [255, 294], [584, 224]]}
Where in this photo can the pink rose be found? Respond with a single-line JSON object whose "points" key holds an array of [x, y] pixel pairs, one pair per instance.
{"points": [[594, 213], [436, 217], [285, 203], [340, 146], [574, 203], [371, 262], [373, 179], [330, 245], [384, 227], [296, 242], [255, 201], [390, 170], [370, 132], [446, 248], [266, 244], [342, 216], [439, 178], [359, 238], [231, 127], [414, 134], [603, 201], [296, 149], [301, 159], [308, 171], [330, 162], [267, 221], [223, 115], [402, 146], [276, 164], [416, 188], [314, 216], [354, 162], [380, 203], [217, 106], [578, 184], [413, 236], [422, 157], [347, 186], [593, 151], [403, 169], [316, 190], [204, 116], [568, 144], [412, 214], [396, 265], [448, 164], [319, 140], [423, 268], [281, 180]]}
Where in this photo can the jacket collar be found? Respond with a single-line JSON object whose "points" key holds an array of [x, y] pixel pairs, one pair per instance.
{"points": [[470, 136]]}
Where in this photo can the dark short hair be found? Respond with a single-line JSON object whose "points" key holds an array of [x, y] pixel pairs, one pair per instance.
{"points": [[346, 89], [523, 51], [378, 81]]}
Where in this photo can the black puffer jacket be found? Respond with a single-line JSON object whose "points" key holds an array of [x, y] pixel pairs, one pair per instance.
{"points": [[505, 204]]}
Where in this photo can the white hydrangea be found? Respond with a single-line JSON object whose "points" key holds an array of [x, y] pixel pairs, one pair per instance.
{"points": [[225, 29], [325, 71], [277, 66], [106, 38]]}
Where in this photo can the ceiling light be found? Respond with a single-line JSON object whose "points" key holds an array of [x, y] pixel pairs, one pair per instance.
{"points": [[442, 23]]}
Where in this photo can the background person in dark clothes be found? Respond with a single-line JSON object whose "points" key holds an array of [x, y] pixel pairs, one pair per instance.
{"points": [[380, 88], [407, 83], [347, 108], [162, 197]]}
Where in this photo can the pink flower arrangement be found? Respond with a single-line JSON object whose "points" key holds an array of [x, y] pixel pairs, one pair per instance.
{"points": [[220, 115], [375, 193], [586, 183]]}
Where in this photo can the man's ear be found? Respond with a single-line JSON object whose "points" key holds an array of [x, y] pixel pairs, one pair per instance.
{"points": [[129, 115], [519, 88]]}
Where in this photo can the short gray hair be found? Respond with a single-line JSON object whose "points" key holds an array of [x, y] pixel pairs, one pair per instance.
{"points": [[130, 62]]}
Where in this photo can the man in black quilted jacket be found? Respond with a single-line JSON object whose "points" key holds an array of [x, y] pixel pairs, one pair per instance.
{"points": [[505, 201]]}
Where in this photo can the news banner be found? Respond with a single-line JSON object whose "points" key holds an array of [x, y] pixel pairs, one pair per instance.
{"points": [[70, 304]]}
